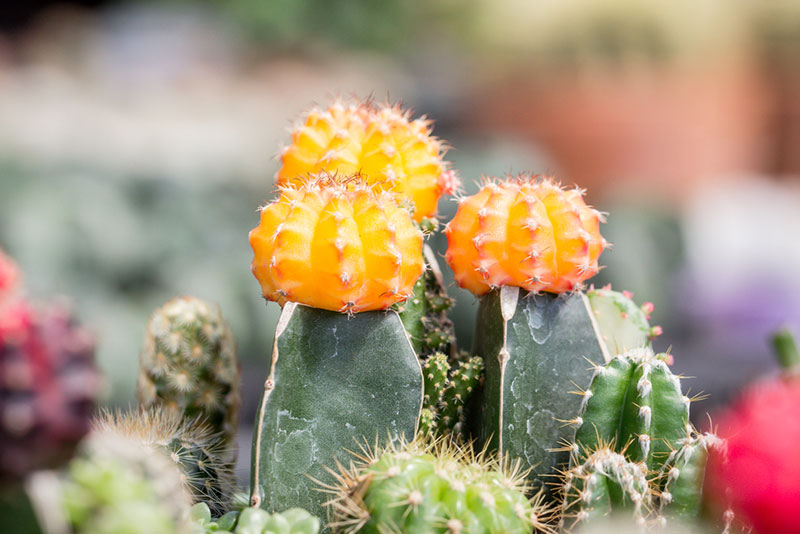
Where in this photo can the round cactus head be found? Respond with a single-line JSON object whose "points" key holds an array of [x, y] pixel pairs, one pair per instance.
{"points": [[526, 232], [336, 244], [392, 151], [408, 487]]}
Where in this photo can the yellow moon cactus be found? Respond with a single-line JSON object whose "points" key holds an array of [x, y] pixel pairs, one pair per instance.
{"points": [[382, 143], [526, 232], [337, 245]]}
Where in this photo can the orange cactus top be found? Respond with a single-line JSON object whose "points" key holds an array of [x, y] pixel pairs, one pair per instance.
{"points": [[526, 232], [391, 151], [337, 245]]}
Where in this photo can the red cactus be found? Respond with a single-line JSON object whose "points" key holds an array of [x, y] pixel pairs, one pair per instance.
{"points": [[9, 275], [758, 473]]}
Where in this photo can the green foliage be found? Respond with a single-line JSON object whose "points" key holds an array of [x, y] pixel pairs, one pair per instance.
{"points": [[188, 365]]}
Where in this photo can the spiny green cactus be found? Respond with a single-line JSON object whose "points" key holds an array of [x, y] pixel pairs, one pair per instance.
{"points": [[253, 521], [116, 485], [447, 390], [623, 325], [424, 314], [537, 348], [188, 364], [333, 379], [635, 402], [203, 457], [433, 487], [603, 481]]}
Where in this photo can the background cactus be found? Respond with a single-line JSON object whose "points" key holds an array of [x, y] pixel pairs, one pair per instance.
{"points": [[602, 481], [337, 245], [623, 325], [203, 457], [426, 486], [188, 365], [636, 403], [253, 521], [116, 485], [48, 385], [381, 142], [333, 379], [447, 392]]}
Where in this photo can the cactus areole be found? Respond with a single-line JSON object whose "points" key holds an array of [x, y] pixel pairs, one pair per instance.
{"points": [[539, 351], [334, 380]]}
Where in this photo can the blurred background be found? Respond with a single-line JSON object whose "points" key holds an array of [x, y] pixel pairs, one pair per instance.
{"points": [[138, 139]]}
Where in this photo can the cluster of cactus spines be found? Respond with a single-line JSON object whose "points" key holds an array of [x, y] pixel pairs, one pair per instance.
{"points": [[253, 521], [48, 385], [424, 314], [622, 323], [635, 402], [116, 485], [203, 457], [188, 364], [603, 481], [392, 151], [336, 244], [433, 486], [447, 390], [680, 480], [526, 232]]}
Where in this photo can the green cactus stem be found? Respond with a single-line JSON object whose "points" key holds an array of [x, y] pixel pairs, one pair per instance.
{"points": [[188, 364], [447, 391], [424, 314], [603, 482], [538, 349], [636, 403], [433, 487], [623, 324], [202, 456], [253, 521], [785, 346], [681, 479], [333, 379]]}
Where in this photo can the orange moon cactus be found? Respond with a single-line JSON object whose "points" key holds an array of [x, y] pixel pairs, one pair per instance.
{"points": [[526, 232], [391, 151], [337, 245]]}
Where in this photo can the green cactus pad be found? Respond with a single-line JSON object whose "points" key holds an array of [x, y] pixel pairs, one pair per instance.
{"points": [[333, 380], [538, 350], [623, 325], [604, 482], [433, 488], [188, 364], [635, 403]]}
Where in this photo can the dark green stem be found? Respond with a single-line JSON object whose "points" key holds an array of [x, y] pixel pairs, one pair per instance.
{"points": [[785, 346]]}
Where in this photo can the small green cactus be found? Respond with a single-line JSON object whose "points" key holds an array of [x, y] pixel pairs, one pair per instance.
{"points": [[188, 364], [253, 521], [603, 482], [433, 486], [622, 323], [447, 390], [116, 485], [635, 402], [203, 458], [424, 314]]}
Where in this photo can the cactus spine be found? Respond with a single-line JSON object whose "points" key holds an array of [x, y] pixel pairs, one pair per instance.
{"points": [[188, 364], [203, 457], [635, 402], [604, 481], [426, 486], [682, 477], [447, 390]]}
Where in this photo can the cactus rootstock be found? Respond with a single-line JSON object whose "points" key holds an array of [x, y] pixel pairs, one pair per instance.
{"points": [[526, 232], [382, 142], [433, 486], [335, 243], [188, 365], [203, 457]]}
